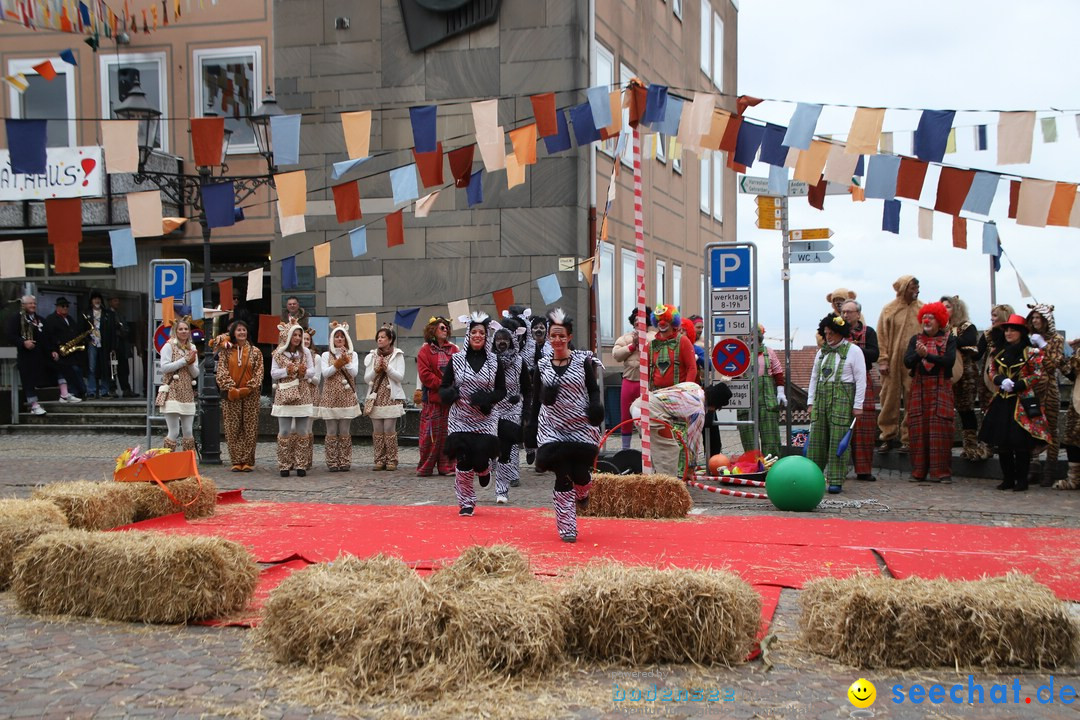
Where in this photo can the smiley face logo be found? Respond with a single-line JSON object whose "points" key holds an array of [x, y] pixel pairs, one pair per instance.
{"points": [[862, 693]]}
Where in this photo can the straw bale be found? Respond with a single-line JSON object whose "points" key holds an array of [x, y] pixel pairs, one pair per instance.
{"points": [[641, 615], [376, 617], [21, 521], [505, 620], [877, 622], [638, 496], [152, 502], [391, 632], [133, 576], [90, 505]]}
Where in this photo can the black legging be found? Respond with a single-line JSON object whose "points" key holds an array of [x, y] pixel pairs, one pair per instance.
{"points": [[1014, 464], [967, 420]]}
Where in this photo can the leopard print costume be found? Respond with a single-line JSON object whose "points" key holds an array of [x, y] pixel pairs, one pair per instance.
{"points": [[240, 417]]}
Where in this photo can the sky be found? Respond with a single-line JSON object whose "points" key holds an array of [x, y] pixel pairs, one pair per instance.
{"points": [[955, 55]]}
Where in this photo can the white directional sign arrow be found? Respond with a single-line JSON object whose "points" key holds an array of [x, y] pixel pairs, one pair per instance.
{"points": [[810, 246], [811, 257], [795, 188]]}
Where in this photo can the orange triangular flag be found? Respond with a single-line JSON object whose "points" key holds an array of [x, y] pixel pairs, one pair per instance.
{"points": [[168, 311], [46, 70]]}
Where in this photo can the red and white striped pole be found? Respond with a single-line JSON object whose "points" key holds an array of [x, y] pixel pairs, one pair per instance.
{"points": [[642, 326]]}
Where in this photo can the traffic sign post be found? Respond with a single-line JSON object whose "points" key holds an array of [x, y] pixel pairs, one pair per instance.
{"points": [[168, 278], [795, 188], [811, 257], [814, 234], [732, 311], [810, 246]]}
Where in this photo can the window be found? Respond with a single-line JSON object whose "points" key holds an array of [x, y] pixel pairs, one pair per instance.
{"points": [[119, 73], [676, 7], [606, 293], [627, 157], [604, 75], [676, 159], [718, 189], [718, 51], [661, 280], [44, 99], [227, 82], [706, 182], [661, 151], [676, 286], [706, 37], [629, 286]]}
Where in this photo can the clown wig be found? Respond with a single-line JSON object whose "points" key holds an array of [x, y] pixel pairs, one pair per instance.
{"points": [[937, 310]]}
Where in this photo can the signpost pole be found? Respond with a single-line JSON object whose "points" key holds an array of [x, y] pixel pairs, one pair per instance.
{"points": [[785, 276]]}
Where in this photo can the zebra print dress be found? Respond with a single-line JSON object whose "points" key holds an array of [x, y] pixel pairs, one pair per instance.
{"points": [[566, 420], [464, 416], [506, 410]]}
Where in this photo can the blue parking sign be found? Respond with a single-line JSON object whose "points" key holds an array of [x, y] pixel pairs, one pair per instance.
{"points": [[729, 267], [170, 280]]}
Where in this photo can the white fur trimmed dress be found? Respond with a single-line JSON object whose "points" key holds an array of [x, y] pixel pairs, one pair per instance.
{"points": [[181, 397], [338, 400], [302, 408]]}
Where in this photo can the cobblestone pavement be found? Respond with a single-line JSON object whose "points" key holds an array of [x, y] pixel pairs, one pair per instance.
{"points": [[60, 668]]}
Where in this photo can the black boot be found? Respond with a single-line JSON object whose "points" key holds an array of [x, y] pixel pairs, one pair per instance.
{"points": [[1008, 471], [1023, 467]]}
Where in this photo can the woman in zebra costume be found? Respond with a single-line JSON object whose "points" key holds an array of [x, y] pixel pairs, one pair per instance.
{"points": [[508, 410], [565, 421], [473, 383]]}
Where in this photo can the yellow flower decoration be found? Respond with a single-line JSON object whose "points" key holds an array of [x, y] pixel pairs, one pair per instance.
{"points": [[839, 321]]}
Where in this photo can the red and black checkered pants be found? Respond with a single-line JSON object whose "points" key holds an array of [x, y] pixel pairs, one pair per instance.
{"points": [[862, 439], [931, 416], [433, 420]]}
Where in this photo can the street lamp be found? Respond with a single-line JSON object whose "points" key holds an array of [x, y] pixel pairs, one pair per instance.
{"points": [[184, 190]]}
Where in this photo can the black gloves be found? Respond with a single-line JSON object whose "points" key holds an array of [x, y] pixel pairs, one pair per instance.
{"points": [[481, 400], [528, 437], [548, 394], [449, 395], [513, 399], [595, 414]]}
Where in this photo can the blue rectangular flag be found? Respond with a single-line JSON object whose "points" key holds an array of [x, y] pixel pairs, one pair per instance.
{"points": [[584, 130], [932, 135], [778, 180], [600, 104], [123, 248], [285, 130], [881, 176], [890, 217], [802, 125], [321, 326], [218, 199], [406, 318], [197, 304], [772, 145], [358, 240], [560, 141], [860, 167], [747, 143], [289, 279], [403, 182], [26, 142], [549, 288], [670, 125], [340, 168], [655, 104], [475, 191], [991, 246], [981, 195], [423, 119]]}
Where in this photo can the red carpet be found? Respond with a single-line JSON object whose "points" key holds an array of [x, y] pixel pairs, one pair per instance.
{"points": [[434, 535], [1058, 571]]}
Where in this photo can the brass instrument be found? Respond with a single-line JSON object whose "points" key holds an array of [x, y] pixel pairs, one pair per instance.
{"points": [[93, 330], [25, 331], [75, 344]]}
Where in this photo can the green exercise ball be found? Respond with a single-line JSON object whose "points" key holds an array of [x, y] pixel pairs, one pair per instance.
{"points": [[795, 483]]}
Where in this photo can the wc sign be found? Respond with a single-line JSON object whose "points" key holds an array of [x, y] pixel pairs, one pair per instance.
{"points": [[730, 267]]}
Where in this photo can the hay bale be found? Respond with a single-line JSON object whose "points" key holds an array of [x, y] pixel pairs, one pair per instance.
{"points": [[90, 505], [133, 576], [376, 617], [21, 521], [877, 622], [638, 496], [642, 616], [389, 631], [505, 620], [152, 502]]}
